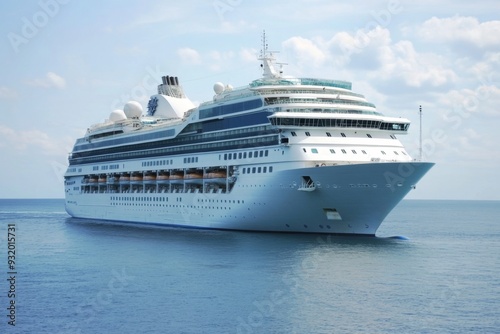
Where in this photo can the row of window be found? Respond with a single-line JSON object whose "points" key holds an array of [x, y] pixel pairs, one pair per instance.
{"points": [[328, 134], [339, 123], [190, 160], [165, 199], [243, 155], [157, 163], [344, 151], [230, 108], [113, 166], [105, 167], [255, 141], [253, 170]]}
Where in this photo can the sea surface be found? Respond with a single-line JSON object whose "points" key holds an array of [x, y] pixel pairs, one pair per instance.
{"points": [[440, 275]]}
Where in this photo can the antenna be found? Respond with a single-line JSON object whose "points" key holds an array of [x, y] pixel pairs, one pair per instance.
{"points": [[263, 51], [420, 148], [268, 61]]}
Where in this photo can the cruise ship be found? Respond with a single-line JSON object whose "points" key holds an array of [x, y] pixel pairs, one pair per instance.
{"points": [[282, 154]]}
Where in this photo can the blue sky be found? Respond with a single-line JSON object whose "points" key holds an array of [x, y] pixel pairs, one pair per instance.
{"points": [[67, 64]]}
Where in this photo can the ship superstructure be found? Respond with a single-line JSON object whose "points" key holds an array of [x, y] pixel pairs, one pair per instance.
{"points": [[281, 154]]}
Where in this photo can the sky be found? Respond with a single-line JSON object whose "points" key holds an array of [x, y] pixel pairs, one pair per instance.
{"points": [[66, 64]]}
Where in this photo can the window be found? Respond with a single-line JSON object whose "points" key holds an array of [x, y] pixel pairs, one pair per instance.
{"points": [[240, 155], [249, 154], [307, 133], [383, 152], [363, 151], [343, 151], [270, 169], [328, 134], [354, 151], [253, 170], [259, 169], [264, 169], [342, 134], [261, 154], [368, 135], [313, 150], [396, 153], [294, 134], [332, 151], [304, 150], [244, 155]]}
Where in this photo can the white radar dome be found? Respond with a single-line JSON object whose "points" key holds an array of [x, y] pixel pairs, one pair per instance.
{"points": [[133, 109], [117, 115], [218, 87]]}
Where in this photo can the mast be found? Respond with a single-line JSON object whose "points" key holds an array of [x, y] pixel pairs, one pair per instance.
{"points": [[420, 145], [268, 60]]}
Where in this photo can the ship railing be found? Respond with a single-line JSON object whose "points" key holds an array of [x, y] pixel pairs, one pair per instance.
{"points": [[316, 101]]}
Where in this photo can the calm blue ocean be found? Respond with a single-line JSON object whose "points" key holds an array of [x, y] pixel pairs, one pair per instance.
{"points": [[75, 276]]}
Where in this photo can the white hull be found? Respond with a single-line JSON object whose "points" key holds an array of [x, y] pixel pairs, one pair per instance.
{"points": [[349, 199], [281, 154]]}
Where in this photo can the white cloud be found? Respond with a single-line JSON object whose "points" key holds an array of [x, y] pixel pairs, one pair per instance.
{"points": [[360, 48], [34, 139], [248, 55], [375, 55], [189, 56], [7, 93], [306, 52], [51, 80], [401, 60], [461, 29]]}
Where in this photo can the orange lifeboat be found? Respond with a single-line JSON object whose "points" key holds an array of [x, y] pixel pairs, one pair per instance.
{"points": [[124, 178], [136, 179], [162, 178], [194, 177], [150, 178], [216, 176], [177, 177]]}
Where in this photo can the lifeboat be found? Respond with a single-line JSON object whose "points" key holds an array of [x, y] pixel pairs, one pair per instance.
{"points": [[113, 179], [194, 177], [93, 179], [177, 178], [150, 178], [136, 179], [162, 178], [217, 177], [124, 179], [101, 179]]}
